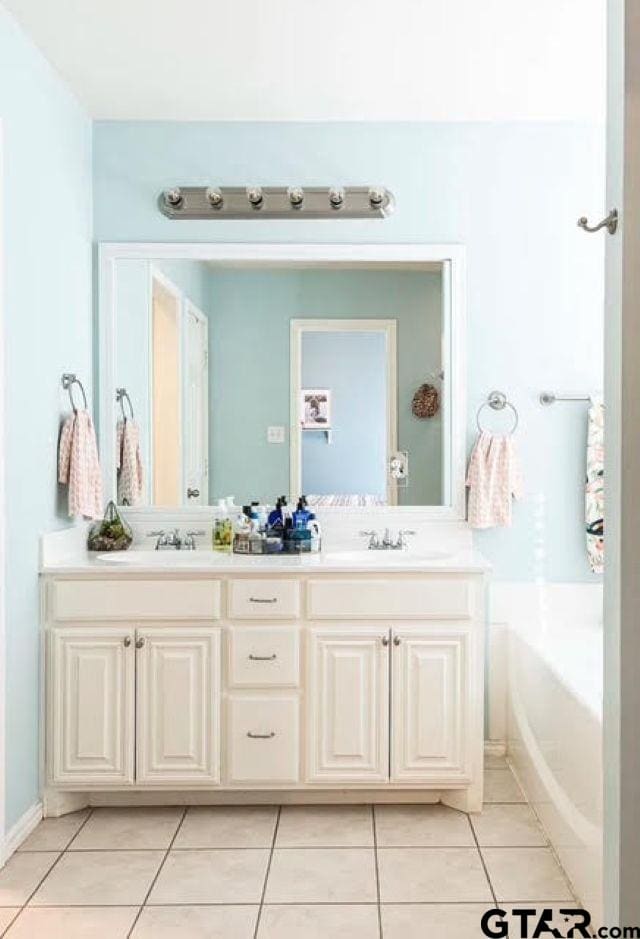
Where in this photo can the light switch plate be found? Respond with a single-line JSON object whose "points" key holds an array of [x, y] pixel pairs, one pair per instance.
{"points": [[275, 434]]}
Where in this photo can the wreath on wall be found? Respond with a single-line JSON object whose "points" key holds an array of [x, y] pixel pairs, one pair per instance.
{"points": [[426, 402]]}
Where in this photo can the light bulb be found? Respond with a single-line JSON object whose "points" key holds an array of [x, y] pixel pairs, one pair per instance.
{"points": [[173, 197], [296, 196], [336, 197], [215, 197], [254, 195], [377, 196]]}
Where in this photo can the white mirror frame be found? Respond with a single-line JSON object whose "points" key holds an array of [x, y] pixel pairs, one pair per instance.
{"points": [[411, 256]]}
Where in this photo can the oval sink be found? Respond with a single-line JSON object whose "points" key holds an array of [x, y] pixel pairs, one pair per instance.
{"points": [[161, 558]]}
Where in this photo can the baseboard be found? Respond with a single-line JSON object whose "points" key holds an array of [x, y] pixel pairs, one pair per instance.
{"points": [[21, 831], [495, 748]]}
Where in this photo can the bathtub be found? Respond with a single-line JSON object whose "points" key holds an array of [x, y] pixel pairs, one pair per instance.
{"points": [[554, 721]]}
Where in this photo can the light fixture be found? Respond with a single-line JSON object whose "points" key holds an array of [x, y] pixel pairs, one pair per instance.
{"points": [[173, 197], [214, 197], [377, 196], [255, 197], [296, 196], [336, 197]]}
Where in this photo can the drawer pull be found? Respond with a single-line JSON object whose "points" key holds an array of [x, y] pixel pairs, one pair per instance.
{"points": [[261, 736], [139, 643], [262, 658], [263, 599], [396, 640], [127, 641]]}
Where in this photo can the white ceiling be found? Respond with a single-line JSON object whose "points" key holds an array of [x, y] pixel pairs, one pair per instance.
{"points": [[326, 59]]}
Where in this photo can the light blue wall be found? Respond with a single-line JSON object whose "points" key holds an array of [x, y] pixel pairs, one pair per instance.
{"points": [[353, 459], [249, 323], [510, 192], [47, 308]]}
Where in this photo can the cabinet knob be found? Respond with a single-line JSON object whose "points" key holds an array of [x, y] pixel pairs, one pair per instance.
{"points": [[385, 640], [396, 640], [139, 643], [127, 641]]}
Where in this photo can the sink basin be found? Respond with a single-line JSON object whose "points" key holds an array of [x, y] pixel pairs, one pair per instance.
{"points": [[391, 557], [161, 558]]}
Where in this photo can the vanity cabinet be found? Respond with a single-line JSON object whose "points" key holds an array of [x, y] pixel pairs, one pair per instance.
{"points": [[348, 704], [311, 683]]}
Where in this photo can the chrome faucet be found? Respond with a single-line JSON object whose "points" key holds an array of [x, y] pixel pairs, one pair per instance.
{"points": [[386, 542], [189, 543], [165, 542]]}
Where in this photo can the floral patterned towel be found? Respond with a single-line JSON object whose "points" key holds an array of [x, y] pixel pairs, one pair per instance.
{"points": [[594, 491]]}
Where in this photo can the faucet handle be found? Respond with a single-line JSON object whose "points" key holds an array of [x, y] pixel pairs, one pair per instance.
{"points": [[156, 534], [400, 543], [200, 533], [374, 540]]}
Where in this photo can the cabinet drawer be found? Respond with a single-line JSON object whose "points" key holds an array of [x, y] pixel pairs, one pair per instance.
{"points": [[263, 739], [263, 656], [419, 598], [264, 599], [86, 600]]}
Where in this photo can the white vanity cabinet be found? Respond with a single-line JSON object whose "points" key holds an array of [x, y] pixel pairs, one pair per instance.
{"points": [[369, 683]]}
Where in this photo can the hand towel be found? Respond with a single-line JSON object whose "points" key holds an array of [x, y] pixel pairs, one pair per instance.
{"points": [[594, 490], [494, 480], [129, 463], [79, 467]]}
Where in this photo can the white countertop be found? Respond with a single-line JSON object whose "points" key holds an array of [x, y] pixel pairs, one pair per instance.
{"points": [[211, 562]]}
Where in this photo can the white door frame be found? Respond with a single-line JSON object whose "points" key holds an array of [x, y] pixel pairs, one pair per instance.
{"points": [[622, 476], [190, 308], [3, 517], [389, 328]]}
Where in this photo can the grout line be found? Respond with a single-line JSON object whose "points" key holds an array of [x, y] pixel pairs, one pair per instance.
{"points": [[482, 861], [375, 856], [42, 880], [157, 874], [267, 872]]}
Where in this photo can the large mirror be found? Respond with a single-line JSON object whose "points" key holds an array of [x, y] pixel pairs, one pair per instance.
{"points": [[236, 373]]}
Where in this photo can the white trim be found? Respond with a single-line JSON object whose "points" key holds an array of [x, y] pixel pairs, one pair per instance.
{"points": [[3, 516], [189, 308], [26, 824], [389, 328], [405, 256]]}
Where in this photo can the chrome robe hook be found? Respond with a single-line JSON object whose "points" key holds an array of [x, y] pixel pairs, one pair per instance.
{"points": [[610, 223]]}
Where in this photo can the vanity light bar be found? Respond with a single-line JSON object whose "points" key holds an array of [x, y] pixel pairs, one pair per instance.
{"points": [[253, 202]]}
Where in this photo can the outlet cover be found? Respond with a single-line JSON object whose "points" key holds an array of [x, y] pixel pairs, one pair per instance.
{"points": [[275, 434]]}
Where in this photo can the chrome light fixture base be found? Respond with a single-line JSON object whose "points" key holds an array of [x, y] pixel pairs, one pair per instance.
{"points": [[276, 202]]}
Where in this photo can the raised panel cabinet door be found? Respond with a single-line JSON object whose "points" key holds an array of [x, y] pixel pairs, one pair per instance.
{"points": [[91, 686], [430, 706], [178, 705], [348, 705]]}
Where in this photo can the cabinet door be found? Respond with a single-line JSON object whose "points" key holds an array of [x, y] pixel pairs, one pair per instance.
{"points": [[348, 705], [178, 705], [91, 680], [429, 713]]}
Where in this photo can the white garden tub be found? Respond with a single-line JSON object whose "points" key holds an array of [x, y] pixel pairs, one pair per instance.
{"points": [[555, 723]]}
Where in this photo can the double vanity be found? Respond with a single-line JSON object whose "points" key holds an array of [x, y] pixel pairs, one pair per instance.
{"points": [[199, 677]]}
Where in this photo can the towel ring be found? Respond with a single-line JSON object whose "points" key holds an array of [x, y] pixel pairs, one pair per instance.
{"points": [[69, 379], [497, 401], [122, 395]]}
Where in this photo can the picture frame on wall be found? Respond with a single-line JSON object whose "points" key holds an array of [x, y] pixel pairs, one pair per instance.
{"points": [[315, 408]]}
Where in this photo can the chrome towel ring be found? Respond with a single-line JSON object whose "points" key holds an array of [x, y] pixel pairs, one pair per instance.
{"points": [[122, 395], [497, 401], [69, 379]]}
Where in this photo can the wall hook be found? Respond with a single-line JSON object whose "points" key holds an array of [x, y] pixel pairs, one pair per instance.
{"points": [[610, 223]]}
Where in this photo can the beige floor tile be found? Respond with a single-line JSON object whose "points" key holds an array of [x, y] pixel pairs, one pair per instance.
{"points": [[101, 878], [210, 876], [508, 825], [319, 922], [419, 921], [54, 834], [228, 827], [107, 922], [196, 922], [495, 762], [525, 874], [318, 826], [322, 875], [6, 915], [445, 875], [500, 786], [22, 874], [422, 826], [124, 829]]}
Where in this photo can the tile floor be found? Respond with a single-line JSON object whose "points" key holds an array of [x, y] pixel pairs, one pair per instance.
{"points": [[330, 872]]}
